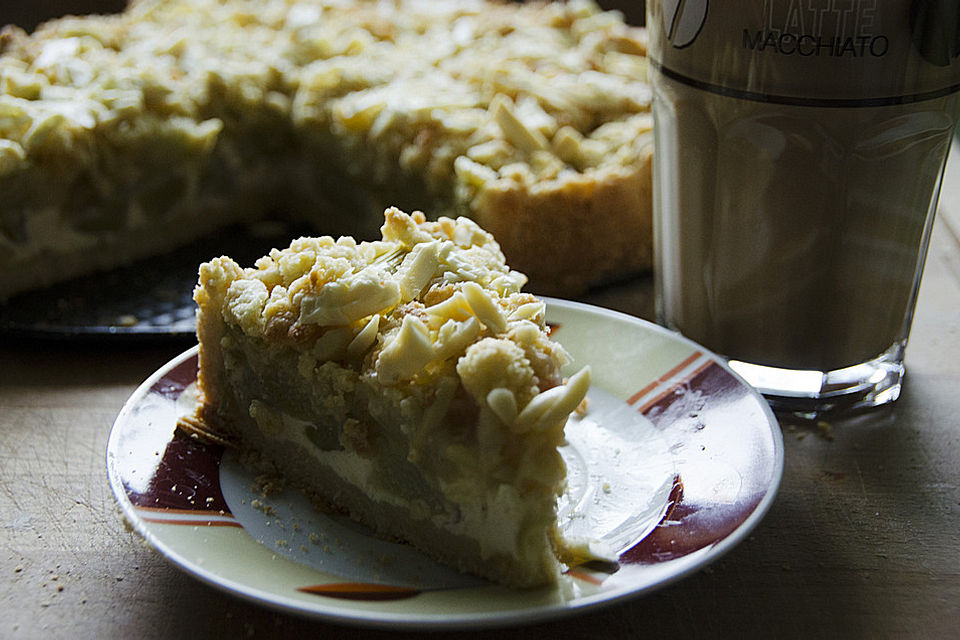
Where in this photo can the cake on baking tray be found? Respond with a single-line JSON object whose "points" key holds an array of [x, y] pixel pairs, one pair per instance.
{"points": [[123, 136], [407, 381]]}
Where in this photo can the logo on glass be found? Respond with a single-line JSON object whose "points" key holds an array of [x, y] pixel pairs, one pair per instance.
{"points": [[682, 20]]}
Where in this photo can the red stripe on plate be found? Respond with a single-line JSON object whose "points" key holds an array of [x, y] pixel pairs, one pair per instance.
{"points": [[664, 378], [666, 392]]}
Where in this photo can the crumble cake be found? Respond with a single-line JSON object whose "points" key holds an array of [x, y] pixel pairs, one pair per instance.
{"points": [[122, 136], [407, 381]]}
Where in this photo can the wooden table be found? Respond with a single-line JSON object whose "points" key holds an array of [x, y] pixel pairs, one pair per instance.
{"points": [[863, 540]]}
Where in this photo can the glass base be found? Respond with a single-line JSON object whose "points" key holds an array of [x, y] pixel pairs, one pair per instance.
{"points": [[814, 393]]}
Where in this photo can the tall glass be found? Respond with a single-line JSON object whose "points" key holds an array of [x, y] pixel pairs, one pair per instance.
{"points": [[799, 152]]}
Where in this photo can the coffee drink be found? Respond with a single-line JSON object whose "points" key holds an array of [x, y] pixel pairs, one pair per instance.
{"points": [[800, 147]]}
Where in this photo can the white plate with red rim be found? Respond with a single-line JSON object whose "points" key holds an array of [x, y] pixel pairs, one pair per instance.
{"points": [[675, 462]]}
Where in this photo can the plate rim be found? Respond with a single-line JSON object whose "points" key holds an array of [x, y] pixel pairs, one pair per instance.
{"points": [[553, 611]]}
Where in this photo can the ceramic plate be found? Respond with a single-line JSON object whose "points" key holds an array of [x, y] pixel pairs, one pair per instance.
{"points": [[675, 461]]}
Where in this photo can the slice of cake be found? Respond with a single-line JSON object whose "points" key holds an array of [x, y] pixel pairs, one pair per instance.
{"points": [[406, 381], [123, 136]]}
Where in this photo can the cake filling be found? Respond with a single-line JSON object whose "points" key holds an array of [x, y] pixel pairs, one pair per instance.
{"points": [[407, 381]]}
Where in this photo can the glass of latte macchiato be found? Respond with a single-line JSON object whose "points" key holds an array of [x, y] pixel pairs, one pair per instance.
{"points": [[799, 152]]}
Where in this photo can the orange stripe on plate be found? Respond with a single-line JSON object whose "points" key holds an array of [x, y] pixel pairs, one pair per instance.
{"points": [[360, 591], [220, 512], [586, 577], [693, 374], [669, 374], [196, 523]]}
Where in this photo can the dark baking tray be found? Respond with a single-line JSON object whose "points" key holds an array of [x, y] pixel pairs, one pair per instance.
{"points": [[149, 299]]}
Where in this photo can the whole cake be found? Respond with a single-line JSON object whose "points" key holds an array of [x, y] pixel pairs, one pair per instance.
{"points": [[125, 135], [407, 381]]}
